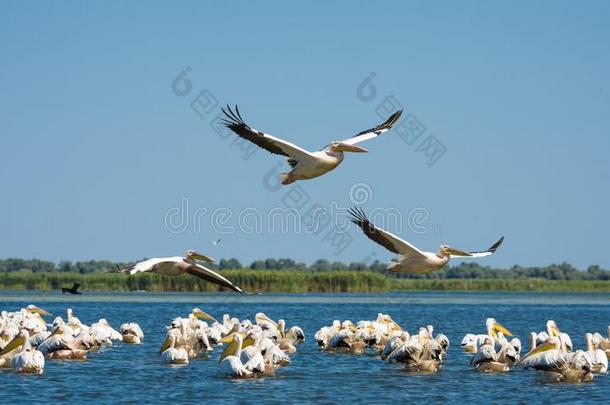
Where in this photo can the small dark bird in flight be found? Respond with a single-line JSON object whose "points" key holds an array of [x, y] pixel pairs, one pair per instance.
{"points": [[71, 290]]}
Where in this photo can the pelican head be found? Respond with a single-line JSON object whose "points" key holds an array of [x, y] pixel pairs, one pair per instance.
{"points": [[199, 314], [33, 309], [191, 255], [337, 146], [552, 328], [21, 339], [494, 327]]}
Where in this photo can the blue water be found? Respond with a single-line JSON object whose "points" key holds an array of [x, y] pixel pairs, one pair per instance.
{"points": [[130, 374]]}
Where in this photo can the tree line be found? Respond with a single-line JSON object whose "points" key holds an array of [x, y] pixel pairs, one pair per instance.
{"points": [[471, 270]]}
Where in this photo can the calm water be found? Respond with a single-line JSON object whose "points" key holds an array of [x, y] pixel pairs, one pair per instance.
{"points": [[130, 374]]}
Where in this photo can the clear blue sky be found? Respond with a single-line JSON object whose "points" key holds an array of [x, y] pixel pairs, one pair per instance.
{"points": [[96, 148]]}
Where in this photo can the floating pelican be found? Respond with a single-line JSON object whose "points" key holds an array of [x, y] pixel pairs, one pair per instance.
{"points": [[62, 345], [420, 353], [175, 266], [598, 357], [27, 360], [171, 354], [488, 360], [603, 343], [557, 365], [230, 360], [305, 165], [411, 259], [132, 333]]}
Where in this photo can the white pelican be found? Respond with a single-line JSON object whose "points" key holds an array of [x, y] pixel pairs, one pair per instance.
{"points": [[411, 259], [305, 165], [177, 265], [61, 345], [557, 365], [171, 354], [598, 356], [603, 343], [420, 353], [488, 360], [27, 360], [230, 360], [132, 333]]}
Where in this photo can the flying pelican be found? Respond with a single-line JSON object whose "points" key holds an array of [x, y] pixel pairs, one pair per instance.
{"points": [[411, 259], [27, 360], [305, 165], [175, 266]]}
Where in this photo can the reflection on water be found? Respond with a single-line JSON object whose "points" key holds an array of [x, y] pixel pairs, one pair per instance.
{"points": [[133, 373]]}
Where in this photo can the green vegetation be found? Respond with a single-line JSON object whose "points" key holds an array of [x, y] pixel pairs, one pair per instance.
{"points": [[284, 275]]}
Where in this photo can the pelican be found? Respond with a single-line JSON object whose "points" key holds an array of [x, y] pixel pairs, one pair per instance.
{"points": [[598, 356], [175, 266], [603, 343], [171, 354], [305, 165], [61, 345], [420, 353], [230, 360], [411, 259], [27, 360], [132, 333], [557, 365]]}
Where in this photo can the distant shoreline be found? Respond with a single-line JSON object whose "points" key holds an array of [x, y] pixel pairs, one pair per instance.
{"points": [[290, 281]]}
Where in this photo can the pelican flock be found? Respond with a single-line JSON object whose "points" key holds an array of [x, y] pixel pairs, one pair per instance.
{"points": [[252, 349], [411, 259], [26, 338], [305, 164]]}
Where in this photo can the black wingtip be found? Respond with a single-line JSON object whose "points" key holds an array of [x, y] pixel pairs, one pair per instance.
{"points": [[358, 216], [496, 245]]}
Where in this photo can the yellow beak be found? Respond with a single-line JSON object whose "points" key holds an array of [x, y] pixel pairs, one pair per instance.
{"points": [[166, 344], [344, 147], [39, 311], [15, 343], [500, 328], [199, 314], [204, 258], [457, 252]]}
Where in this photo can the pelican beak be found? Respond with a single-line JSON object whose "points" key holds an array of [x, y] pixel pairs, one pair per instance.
{"points": [[230, 350], [456, 252], [247, 342], [166, 345], [13, 344], [36, 310], [344, 147], [203, 258], [555, 330], [199, 314], [500, 328], [540, 349]]}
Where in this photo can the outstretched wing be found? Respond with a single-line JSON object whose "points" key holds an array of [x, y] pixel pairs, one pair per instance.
{"points": [[386, 239], [76, 286], [492, 249], [374, 132], [149, 265], [213, 277], [278, 146]]}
